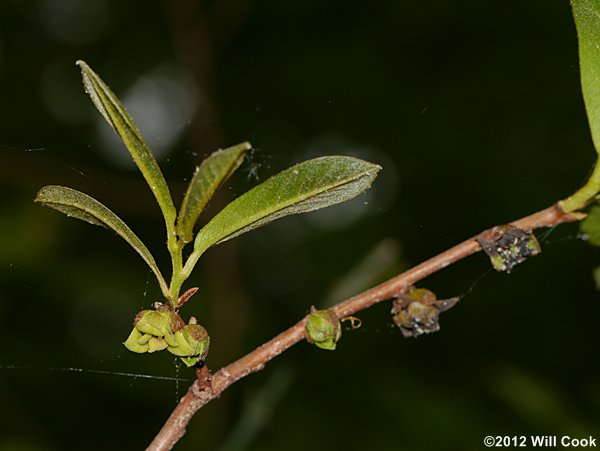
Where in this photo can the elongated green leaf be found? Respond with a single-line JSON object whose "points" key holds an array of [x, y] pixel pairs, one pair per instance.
{"points": [[590, 226], [208, 178], [118, 118], [305, 187], [81, 206], [587, 21]]}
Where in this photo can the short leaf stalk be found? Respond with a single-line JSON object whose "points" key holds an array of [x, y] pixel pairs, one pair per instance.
{"points": [[586, 194], [178, 278]]}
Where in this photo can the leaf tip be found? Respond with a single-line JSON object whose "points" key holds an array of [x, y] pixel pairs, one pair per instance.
{"points": [[40, 196], [84, 67], [371, 172], [376, 168]]}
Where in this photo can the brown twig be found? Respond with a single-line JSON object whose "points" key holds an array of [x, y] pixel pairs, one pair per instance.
{"points": [[204, 390]]}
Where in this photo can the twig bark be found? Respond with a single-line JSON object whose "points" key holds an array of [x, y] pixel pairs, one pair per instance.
{"points": [[205, 389]]}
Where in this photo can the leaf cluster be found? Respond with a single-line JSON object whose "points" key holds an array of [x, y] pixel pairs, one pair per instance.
{"points": [[305, 187]]}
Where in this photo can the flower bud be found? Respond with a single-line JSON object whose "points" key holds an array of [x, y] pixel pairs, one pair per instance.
{"points": [[152, 322], [192, 343], [509, 246], [419, 318], [154, 330], [323, 329], [416, 311]]}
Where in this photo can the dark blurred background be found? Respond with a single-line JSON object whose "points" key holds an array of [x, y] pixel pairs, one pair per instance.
{"points": [[473, 109]]}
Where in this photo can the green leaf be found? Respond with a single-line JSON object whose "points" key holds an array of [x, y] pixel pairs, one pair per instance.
{"points": [[308, 186], [590, 226], [120, 121], [208, 178], [81, 206], [587, 20]]}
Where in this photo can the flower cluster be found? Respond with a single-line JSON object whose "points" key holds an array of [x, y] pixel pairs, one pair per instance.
{"points": [[162, 328]]}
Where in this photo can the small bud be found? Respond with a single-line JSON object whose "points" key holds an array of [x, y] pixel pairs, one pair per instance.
{"points": [[424, 318], [416, 311], [509, 246], [192, 343], [323, 329]]}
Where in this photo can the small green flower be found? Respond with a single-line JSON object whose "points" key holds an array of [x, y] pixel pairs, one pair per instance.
{"points": [[153, 330], [323, 329], [192, 343]]}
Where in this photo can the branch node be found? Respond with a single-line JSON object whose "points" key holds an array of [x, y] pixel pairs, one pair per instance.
{"points": [[203, 386]]}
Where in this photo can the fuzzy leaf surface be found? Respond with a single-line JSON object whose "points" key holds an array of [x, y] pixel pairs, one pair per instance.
{"points": [[120, 121], [305, 187], [208, 178], [587, 21]]}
